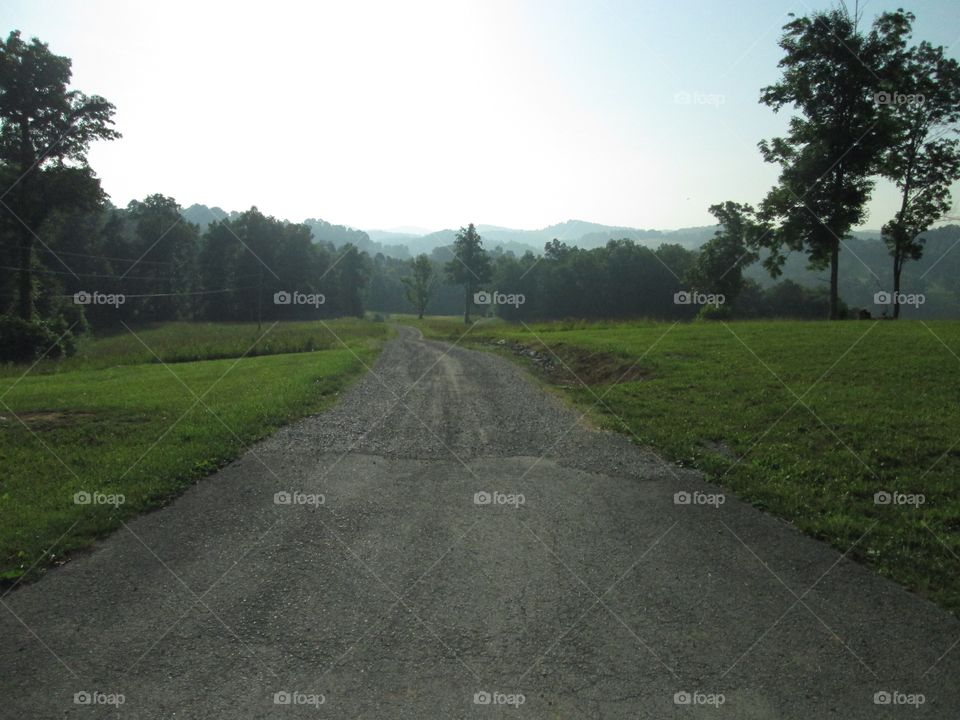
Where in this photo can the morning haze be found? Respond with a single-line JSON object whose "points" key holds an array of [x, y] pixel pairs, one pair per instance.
{"points": [[458, 359]]}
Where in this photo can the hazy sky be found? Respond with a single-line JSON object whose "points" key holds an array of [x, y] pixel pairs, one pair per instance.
{"points": [[435, 114]]}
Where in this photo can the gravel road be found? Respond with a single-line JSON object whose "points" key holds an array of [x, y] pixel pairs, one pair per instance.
{"points": [[456, 535]]}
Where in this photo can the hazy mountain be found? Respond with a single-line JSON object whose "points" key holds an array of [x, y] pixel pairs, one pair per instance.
{"points": [[323, 231], [406, 242], [392, 237], [572, 232], [866, 268], [203, 216]]}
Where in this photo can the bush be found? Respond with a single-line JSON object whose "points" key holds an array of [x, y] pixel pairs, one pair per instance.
{"points": [[714, 312], [27, 340]]}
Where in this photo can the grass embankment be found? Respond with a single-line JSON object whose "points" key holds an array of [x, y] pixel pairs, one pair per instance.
{"points": [[807, 420], [115, 420]]}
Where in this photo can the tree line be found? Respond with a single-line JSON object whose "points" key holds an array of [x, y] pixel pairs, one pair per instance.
{"points": [[867, 104]]}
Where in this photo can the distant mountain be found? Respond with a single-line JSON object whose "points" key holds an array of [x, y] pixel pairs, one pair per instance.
{"points": [[203, 216], [866, 268], [323, 231], [392, 236], [338, 235], [406, 242], [572, 232]]}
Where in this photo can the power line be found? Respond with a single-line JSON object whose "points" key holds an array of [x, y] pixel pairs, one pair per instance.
{"points": [[98, 275], [108, 257], [184, 294], [102, 275]]}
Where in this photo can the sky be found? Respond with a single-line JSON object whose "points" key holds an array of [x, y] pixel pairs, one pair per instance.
{"points": [[434, 114]]}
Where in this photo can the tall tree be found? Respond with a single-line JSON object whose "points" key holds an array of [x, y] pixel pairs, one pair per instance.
{"points": [[470, 266], [45, 131], [834, 145], [165, 272], [720, 264], [419, 286], [924, 103], [352, 274]]}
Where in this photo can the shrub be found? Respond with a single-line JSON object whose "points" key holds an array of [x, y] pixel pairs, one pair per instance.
{"points": [[27, 340], [714, 312]]}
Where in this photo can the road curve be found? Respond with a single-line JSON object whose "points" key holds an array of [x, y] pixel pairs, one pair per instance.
{"points": [[580, 590]]}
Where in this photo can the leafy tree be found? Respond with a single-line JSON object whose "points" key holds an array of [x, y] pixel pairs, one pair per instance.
{"points": [[45, 131], [352, 275], [419, 286], [219, 268], [924, 102], [470, 265], [720, 264], [835, 142], [166, 252]]}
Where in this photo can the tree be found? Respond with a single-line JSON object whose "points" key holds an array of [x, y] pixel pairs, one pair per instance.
{"points": [[924, 104], [166, 247], [720, 264], [352, 273], [419, 286], [835, 143], [45, 131], [470, 265]]}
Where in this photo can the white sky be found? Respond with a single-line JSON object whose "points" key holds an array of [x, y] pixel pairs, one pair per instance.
{"points": [[436, 114]]}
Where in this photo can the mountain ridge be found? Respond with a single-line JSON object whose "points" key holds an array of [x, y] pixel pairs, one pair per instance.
{"points": [[404, 245]]}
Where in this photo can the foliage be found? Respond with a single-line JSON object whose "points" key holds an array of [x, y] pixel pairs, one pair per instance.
{"points": [[923, 105], [45, 131], [28, 340], [720, 263], [419, 286], [834, 144], [470, 266]]}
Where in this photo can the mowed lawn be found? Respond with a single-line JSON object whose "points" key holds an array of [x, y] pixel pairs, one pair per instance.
{"points": [[807, 420], [145, 430]]}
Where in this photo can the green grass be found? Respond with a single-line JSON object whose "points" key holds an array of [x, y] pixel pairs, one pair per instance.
{"points": [[134, 428], [880, 411], [185, 342]]}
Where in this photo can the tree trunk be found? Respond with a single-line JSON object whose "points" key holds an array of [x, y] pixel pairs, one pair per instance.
{"points": [[466, 303], [25, 278], [26, 236], [834, 281], [897, 268]]}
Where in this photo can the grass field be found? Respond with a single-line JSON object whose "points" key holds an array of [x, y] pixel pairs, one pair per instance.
{"points": [[176, 342], [807, 420], [114, 420]]}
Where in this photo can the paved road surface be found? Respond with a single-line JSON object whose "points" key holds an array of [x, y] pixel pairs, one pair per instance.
{"points": [[401, 597]]}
